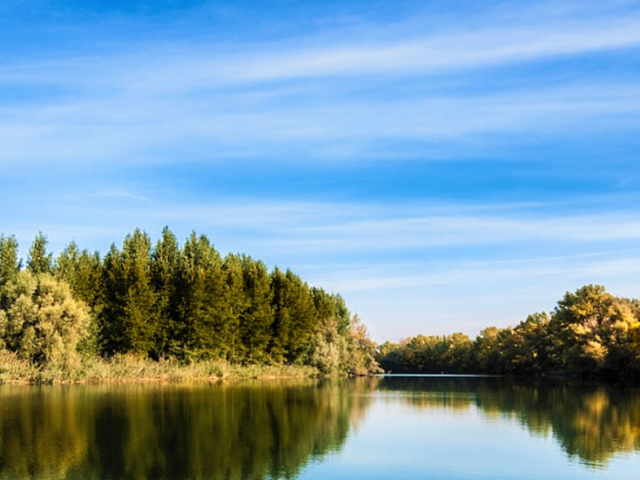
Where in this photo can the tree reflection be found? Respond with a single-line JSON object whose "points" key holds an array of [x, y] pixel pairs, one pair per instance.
{"points": [[591, 422], [272, 430], [252, 430]]}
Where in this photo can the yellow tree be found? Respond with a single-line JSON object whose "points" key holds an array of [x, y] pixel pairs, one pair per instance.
{"points": [[43, 323]]}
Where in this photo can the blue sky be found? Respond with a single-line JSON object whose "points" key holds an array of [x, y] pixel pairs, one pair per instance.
{"points": [[444, 165]]}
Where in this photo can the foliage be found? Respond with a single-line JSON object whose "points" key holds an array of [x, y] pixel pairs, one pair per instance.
{"points": [[43, 323], [590, 333], [171, 303]]}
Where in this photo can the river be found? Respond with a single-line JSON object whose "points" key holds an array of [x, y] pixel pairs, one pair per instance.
{"points": [[408, 427]]}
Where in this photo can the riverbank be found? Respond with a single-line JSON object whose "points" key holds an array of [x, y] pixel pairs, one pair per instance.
{"points": [[127, 369]]}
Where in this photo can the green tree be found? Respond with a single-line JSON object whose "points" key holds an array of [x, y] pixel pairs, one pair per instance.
{"points": [[235, 305], [257, 316], [487, 350], [201, 310], [39, 261], [295, 318], [165, 265], [82, 270], [592, 331], [361, 350], [43, 323], [10, 266], [128, 321]]}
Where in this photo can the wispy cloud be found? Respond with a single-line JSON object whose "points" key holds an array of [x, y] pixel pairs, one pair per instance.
{"points": [[160, 121], [304, 97], [315, 229], [164, 69]]}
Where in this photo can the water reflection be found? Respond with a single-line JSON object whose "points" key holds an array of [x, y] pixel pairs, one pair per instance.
{"points": [[252, 430], [259, 430], [590, 422]]}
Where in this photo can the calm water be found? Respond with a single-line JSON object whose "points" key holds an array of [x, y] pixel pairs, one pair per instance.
{"points": [[379, 428]]}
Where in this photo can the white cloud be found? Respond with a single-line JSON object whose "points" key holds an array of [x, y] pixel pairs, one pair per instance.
{"points": [[301, 97]]}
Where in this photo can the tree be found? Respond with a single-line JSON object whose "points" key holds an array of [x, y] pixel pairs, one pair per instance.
{"points": [[82, 270], [295, 318], [39, 261], [10, 266], [43, 323], [591, 328], [361, 350], [201, 310], [235, 305], [165, 263], [128, 321], [487, 349], [257, 316]]}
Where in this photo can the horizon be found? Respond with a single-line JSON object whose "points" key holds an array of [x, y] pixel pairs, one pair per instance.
{"points": [[444, 167]]}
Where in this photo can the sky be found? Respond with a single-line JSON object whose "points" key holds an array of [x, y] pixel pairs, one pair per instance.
{"points": [[444, 166]]}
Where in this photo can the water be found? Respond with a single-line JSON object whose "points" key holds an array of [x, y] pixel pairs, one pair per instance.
{"points": [[377, 428]]}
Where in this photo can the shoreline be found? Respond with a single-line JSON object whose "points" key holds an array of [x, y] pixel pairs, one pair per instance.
{"points": [[123, 369]]}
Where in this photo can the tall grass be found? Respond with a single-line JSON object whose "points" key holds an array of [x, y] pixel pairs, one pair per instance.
{"points": [[125, 369]]}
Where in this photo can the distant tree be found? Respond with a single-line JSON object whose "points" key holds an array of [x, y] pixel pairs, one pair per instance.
{"points": [[458, 355], [487, 350], [388, 357], [532, 345], [583, 324]]}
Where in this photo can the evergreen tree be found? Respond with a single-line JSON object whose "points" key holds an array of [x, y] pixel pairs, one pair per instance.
{"points": [[164, 276], [185, 302], [235, 304], [111, 317], [82, 271], [201, 310], [10, 266], [139, 301], [295, 318], [66, 264], [257, 317], [39, 261], [128, 319]]}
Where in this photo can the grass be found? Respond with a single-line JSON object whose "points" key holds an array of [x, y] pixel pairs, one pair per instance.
{"points": [[126, 369]]}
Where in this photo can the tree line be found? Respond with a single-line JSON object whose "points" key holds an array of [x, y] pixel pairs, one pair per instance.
{"points": [[589, 333], [171, 301]]}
